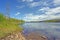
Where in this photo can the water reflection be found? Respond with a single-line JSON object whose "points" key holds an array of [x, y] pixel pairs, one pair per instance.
{"points": [[51, 30]]}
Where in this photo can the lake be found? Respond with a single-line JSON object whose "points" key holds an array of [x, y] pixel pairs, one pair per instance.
{"points": [[51, 30]]}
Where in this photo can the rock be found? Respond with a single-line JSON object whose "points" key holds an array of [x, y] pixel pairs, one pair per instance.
{"points": [[14, 36]]}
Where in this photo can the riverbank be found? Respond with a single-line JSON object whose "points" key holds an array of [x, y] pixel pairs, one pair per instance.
{"points": [[14, 36], [10, 29], [9, 25]]}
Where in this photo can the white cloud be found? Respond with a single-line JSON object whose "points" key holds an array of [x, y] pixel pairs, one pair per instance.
{"points": [[56, 2], [32, 3], [17, 13], [35, 4], [50, 11], [27, 0], [49, 14], [53, 11], [44, 9], [31, 17]]}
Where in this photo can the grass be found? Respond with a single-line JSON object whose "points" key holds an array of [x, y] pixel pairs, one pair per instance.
{"points": [[9, 25]]}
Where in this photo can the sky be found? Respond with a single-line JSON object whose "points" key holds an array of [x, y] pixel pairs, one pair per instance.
{"points": [[31, 10]]}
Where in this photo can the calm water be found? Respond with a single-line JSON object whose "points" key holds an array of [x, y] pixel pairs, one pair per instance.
{"points": [[51, 30]]}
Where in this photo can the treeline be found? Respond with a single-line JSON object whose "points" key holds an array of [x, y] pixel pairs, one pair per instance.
{"points": [[54, 20]]}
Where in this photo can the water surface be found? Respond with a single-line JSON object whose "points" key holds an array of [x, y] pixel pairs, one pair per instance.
{"points": [[51, 30]]}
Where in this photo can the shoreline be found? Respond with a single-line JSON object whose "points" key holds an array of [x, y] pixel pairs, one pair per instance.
{"points": [[20, 36], [14, 36]]}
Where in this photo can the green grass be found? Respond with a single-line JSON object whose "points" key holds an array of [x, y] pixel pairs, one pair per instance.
{"points": [[9, 25]]}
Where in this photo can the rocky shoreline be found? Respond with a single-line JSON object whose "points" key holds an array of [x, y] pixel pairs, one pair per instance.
{"points": [[20, 36], [14, 36]]}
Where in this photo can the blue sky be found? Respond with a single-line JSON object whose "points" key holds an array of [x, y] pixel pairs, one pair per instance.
{"points": [[32, 10]]}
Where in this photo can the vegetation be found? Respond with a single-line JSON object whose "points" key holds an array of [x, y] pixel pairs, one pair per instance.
{"points": [[9, 25], [54, 20]]}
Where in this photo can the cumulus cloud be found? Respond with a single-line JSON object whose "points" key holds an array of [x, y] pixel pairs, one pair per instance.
{"points": [[17, 13], [53, 13]]}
